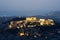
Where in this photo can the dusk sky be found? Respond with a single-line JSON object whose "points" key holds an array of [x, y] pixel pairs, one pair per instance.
{"points": [[29, 5]]}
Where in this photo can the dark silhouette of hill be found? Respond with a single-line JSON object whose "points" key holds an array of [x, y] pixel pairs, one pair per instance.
{"points": [[55, 15], [52, 15], [43, 30]]}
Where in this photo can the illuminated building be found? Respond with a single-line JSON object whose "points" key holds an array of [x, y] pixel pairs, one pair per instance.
{"points": [[51, 21], [42, 22], [31, 19], [16, 23], [21, 33], [46, 22], [10, 26]]}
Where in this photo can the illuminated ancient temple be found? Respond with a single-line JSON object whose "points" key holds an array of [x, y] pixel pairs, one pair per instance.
{"points": [[30, 22]]}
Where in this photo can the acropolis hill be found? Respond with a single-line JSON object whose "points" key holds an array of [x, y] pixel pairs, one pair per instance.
{"points": [[30, 21]]}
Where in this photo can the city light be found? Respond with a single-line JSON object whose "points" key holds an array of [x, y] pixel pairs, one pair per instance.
{"points": [[31, 22], [21, 33]]}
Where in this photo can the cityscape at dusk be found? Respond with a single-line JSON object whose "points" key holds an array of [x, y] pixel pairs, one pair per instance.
{"points": [[29, 19]]}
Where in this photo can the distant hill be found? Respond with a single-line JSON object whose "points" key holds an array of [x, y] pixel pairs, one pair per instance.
{"points": [[52, 15], [22, 13], [55, 15]]}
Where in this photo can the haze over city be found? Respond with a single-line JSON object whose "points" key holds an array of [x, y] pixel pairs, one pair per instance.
{"points": [[28, 7]]}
